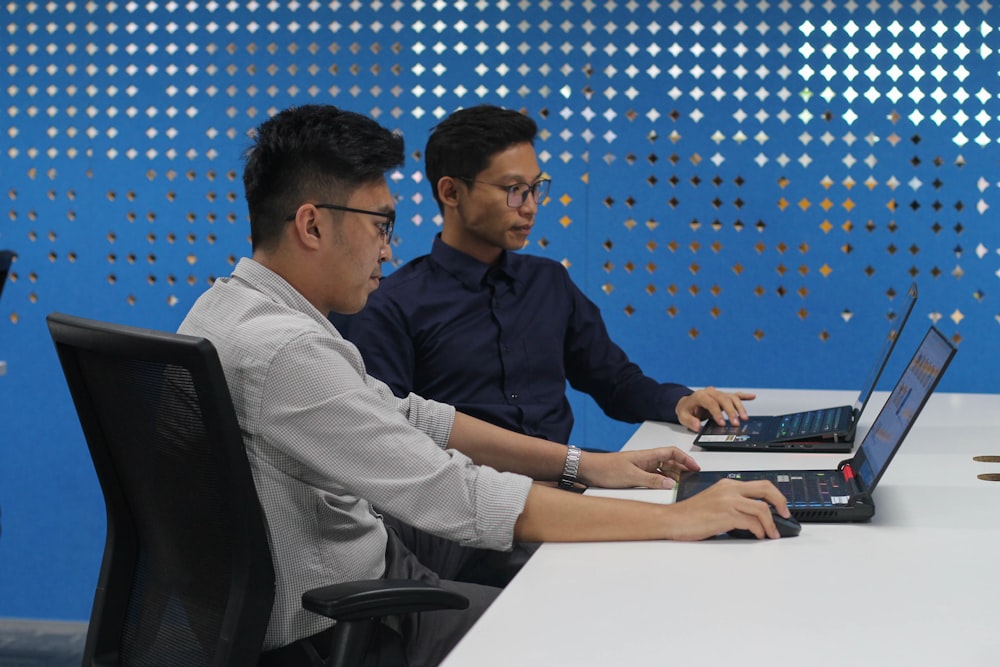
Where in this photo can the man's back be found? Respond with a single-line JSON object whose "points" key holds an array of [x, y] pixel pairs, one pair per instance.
{"points": [[250, 330], [326, 442]]}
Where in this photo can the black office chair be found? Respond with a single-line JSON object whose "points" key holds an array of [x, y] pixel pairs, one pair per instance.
{"points": [[187, 577]]}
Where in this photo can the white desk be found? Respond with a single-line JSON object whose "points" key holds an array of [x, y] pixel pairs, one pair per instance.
{"points": [[919, 585]]}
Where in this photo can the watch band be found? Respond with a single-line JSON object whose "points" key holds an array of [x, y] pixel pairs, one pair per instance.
{"points": [[569, 480]]}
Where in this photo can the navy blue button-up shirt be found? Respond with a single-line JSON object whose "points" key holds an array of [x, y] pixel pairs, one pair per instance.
{"points": [[500, 342]]}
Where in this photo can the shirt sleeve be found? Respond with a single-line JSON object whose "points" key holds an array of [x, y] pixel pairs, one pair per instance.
{"points": [[339, 432], [381, 334], [597, 366]]}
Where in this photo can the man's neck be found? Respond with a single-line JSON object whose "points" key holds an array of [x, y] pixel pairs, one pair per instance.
{"points": [[292, 272], [482, 252]]}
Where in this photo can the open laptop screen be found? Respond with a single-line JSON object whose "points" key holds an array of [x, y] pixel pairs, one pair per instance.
{"points": [[890, 342], [899, 412]]}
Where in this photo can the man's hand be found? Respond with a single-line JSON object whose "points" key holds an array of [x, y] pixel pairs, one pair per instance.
{"points": [[726, 505], [647, 468], [710, 403]]}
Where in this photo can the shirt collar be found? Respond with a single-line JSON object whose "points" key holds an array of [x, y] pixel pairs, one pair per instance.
{"points": [[267, 282], [468, 270]]}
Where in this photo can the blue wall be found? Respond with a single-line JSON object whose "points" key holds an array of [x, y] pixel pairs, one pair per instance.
{"points": [[744, 188]]}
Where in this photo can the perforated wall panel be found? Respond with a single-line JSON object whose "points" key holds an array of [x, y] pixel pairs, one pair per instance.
{"points": [[744, 188]]}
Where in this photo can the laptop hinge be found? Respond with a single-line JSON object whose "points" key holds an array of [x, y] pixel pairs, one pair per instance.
{"points": [[857, 494]]}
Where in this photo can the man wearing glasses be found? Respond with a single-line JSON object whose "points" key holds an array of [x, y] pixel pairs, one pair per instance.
{"points": [[357, 483], [497, 333]]}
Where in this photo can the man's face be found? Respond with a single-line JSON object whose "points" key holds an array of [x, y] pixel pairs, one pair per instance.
{"points": [[354, 252], [485, 223]]}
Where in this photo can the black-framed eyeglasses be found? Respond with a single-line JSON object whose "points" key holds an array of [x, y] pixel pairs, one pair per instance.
{"points": [[384, 228], [518, 192]]}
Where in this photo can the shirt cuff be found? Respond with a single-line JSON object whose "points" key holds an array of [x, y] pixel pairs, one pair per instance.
{"points": [[669, 399], [500, 500]]}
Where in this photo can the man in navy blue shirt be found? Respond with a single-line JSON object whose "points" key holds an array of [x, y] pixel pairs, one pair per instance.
{"points": [[496, 333]]}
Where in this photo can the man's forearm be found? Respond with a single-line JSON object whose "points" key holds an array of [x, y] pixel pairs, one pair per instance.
{"points": [[555, 515], [505, 450]]}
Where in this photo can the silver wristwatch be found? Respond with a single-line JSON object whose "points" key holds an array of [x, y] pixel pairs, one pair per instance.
{"points": [[569, 480]]}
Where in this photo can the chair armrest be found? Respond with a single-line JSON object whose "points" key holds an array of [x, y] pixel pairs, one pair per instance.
{"points": [[354, 600]]}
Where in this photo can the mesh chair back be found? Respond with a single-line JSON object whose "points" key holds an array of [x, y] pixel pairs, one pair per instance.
{"points": [[187, 577]]}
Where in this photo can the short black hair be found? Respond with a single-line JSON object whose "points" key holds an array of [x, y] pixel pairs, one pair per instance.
{"points": [[312, 152], [462, 145]]}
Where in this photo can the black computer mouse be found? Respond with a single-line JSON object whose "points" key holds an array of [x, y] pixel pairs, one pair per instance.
{"points": [[789, 527]]}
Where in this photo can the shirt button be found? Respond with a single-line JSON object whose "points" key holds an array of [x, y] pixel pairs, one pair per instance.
{"points": [[513, 397]]}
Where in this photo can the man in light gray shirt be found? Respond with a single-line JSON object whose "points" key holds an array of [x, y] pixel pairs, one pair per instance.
{"points": [[328, 444]]}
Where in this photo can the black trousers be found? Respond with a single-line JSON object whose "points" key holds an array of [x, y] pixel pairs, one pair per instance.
{"points": [[424, 639]]}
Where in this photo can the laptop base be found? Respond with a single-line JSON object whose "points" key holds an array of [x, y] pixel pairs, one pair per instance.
{"points": [[835, 504], [762, 433]]}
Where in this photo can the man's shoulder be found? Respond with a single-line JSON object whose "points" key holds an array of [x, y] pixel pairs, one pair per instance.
{"points": [[406, 277], [535, 262], [410, 269], [246, 320], [535, 268]]}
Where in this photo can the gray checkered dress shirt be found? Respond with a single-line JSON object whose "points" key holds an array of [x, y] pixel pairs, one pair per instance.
{"points": [[326, 442]]}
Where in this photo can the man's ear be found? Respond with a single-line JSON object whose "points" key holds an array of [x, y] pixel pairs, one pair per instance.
{"points": [[305, 226], [447, 189]]}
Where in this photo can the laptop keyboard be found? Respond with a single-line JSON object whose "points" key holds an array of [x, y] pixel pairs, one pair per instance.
{"points": [[809, 423], [809, 488]]}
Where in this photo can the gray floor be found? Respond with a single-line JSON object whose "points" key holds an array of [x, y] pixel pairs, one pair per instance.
{"points": [[40, 643]]}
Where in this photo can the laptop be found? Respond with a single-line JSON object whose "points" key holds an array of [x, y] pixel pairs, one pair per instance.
{"points": [[845, 494], [6, 257], [822, 430]]}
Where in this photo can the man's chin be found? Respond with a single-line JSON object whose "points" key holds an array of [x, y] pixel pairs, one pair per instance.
{"points": [[518, 242], [352, 309]]}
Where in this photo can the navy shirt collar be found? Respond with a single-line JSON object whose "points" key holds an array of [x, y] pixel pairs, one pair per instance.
{"points": [[470, 271]]}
